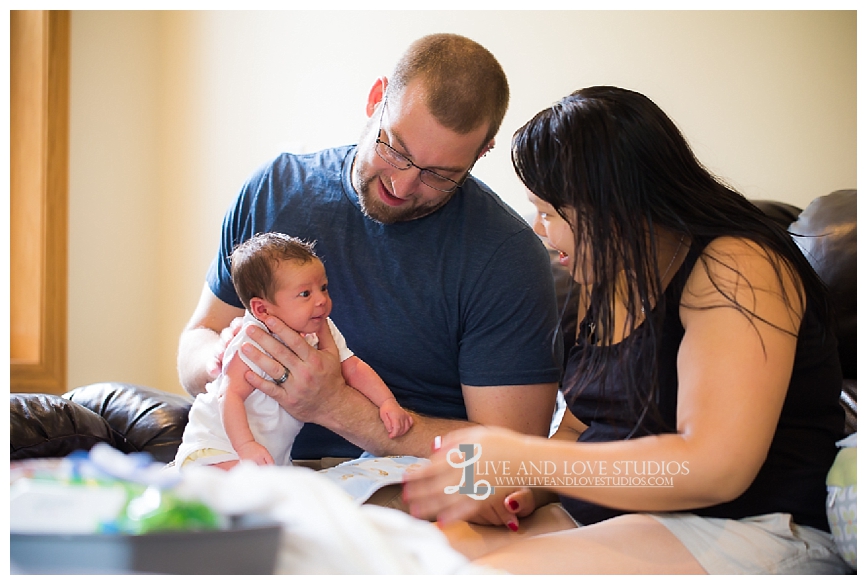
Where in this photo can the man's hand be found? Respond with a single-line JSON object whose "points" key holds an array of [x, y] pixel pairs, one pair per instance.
{"points": [[314, 382], [215, 364], [201, 346]]}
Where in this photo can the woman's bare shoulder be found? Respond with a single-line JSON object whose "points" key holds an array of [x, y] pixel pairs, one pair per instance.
{"points": [[738, 272]]}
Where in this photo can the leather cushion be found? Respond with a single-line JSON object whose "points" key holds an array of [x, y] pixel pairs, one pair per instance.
{"points": [[151, 420], [45, 425], [827, 232]]}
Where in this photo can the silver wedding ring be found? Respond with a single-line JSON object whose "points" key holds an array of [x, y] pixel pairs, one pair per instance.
{"points": [[284, 377]]}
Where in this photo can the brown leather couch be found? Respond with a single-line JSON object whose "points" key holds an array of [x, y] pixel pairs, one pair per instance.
{"points": [[137, 419]]}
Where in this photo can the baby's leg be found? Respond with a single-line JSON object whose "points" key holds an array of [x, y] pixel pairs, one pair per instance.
{"points": [[208, 452], [225, 465]]}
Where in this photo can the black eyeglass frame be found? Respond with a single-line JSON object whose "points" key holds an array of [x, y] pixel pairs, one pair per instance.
{"points": [[408, 164]]}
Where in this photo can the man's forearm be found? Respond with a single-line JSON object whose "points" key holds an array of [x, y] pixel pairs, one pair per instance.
{"points": [[357, 420], [195, 349]]}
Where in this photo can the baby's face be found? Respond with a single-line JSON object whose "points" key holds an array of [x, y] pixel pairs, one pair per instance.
{"points": [[302, 300]]}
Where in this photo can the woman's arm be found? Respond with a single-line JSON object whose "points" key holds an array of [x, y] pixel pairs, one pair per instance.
{"points": [[733, 372]]}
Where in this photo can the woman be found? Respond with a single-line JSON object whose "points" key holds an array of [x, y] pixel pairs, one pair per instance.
{"points": [[703, 385]]}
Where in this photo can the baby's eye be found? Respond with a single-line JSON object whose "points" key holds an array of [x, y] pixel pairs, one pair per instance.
{"points": [[324, 288], [304, 294], [543, 216]]}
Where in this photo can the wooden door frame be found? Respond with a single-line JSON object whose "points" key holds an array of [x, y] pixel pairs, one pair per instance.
{"points": [[39, 61]]}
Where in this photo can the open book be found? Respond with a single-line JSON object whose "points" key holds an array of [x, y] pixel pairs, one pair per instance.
{"points": [[361, 478]]}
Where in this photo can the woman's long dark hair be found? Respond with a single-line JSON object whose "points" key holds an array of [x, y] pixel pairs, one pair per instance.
{"points": [[614, 157]]}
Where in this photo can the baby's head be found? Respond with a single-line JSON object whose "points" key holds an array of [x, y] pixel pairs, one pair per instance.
{"points": [[275, 274]]}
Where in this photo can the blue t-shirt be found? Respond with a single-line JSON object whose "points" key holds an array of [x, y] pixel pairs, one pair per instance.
{"points": [[463, 295]]}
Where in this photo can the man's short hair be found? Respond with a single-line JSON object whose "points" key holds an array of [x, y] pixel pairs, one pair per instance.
{"points": [[254, 262], [464, 84]]}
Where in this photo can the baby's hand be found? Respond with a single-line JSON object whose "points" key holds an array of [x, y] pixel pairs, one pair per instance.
{"points": [[397, 421], [256, 453]]}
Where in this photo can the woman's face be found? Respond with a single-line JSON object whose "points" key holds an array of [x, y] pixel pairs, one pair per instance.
{"points": [[550, 225]]}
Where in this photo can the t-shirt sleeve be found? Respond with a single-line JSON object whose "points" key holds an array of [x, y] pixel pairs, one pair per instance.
{"points": [[510, 332], [343, 352], [251, 213]]}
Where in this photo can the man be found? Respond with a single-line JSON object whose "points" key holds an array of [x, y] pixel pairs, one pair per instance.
{"points": [[435, 283]]}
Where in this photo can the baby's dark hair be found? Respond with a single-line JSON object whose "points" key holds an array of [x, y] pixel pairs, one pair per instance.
{"points": [[253, 263]]}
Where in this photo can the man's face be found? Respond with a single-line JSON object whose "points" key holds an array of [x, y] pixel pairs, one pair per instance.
{"points": [[390, 195]]}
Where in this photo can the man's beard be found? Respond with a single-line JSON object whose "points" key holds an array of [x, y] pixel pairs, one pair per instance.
{"points": [[374, 208]]}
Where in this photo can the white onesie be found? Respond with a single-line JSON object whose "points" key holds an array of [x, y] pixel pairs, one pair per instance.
{"points": [[272, 427]]}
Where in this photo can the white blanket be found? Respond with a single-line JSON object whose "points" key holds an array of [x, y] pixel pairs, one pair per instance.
{"points": [[324, 530]]}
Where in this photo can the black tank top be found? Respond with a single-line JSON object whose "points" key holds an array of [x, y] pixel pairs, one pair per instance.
{"points": [[792, 478]]}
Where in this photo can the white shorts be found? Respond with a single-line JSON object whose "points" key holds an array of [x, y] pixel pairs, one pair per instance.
{"points": [[770, 544]]}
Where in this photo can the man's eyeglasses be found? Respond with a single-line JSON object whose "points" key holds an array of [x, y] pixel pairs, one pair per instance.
{"points": [[402, 163]]}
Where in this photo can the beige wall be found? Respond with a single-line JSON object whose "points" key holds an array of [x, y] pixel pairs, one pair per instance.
{"points": [[170, 112]]}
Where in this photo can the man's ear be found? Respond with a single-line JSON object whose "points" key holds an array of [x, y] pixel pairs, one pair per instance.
{"points": [[259, 308], [377, 92], [488, 148]]}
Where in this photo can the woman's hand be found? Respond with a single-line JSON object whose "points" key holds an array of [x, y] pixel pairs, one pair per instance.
{"points": [[433, 491], [505, 507]]}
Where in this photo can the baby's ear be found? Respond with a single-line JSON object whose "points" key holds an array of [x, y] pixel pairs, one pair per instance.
{"points": [[259, 308]]}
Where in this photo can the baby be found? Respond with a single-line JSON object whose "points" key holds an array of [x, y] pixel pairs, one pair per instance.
{"points": [[281, 276]]}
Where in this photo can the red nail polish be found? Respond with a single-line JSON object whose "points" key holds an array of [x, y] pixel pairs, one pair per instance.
{"points": [[513, 526], [513, 505]]}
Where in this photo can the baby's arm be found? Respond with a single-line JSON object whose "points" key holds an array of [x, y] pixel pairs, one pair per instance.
{"points": [[361, 376], [235, 422]]}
